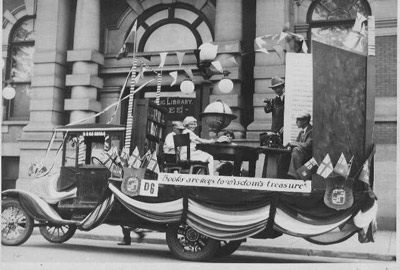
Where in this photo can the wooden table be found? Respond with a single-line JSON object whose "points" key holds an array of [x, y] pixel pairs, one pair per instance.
{"points": [[233, 152], [272, 168]]}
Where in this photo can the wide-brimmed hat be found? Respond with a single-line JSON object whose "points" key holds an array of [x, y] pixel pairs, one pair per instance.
{"points": [[178, 124], [303, 115], [188, 120], [276, 81]]}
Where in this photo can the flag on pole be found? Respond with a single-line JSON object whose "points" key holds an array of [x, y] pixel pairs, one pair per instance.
{"points": [[308, 169], [153, 164], [145, 159], [341, 167], [130, 39], [326, 168], [134, 160]]}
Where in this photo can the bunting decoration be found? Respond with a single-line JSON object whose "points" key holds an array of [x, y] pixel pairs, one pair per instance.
{"points": [[233, 60], [308, 169], [218, 66], [341, 167], [153, 163], [189, 73], [326, 168], [174, 75], [163, 56], [134, 160], [81, 150], [180, 56]]}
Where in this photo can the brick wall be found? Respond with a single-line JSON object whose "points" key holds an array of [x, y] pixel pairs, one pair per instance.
{"points": [[386, 67], [385, 132]]}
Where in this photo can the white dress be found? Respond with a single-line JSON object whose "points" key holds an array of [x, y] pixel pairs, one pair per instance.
{"points": [[197, 154]]}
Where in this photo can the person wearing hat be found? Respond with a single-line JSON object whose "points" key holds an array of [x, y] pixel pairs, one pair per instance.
{"points": [[302, 147], [169, 147], [276, 105], [190, 124]]}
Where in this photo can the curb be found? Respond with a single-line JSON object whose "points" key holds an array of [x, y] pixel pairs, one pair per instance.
{"points": [[262, 249]]}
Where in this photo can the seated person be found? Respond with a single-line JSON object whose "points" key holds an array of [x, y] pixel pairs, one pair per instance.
{"points": [[190, 124], [227, 137], [302, 147], [169, 147]]}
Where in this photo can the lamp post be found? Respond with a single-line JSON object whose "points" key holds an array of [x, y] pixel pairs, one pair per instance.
{"points": [[207, 53]]}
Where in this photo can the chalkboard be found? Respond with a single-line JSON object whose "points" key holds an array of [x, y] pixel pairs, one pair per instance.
{"points": [[339, 86]]}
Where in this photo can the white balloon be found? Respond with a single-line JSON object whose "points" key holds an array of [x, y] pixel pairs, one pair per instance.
{"points": [[8, 92], [225, 85], [187, 87]]}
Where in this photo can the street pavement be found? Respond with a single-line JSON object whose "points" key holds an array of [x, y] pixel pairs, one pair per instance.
{"points": [[383, 249]]}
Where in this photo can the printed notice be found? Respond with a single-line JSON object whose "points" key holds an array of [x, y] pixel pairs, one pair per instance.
{"points": [[298, 92], [234, 182]]}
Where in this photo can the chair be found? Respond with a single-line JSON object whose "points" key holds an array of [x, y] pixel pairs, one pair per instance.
{"points": [[188, 165]]}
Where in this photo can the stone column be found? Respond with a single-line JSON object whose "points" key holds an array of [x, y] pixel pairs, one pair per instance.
{"points": [[228, 35], [86, 59], [270, 18], [52, 28]]}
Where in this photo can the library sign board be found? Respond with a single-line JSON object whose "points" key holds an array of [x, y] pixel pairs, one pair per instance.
{"points": [[178, 105]]}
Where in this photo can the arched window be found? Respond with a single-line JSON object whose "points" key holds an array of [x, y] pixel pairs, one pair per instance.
{"points": [[171, 27], [331, 20], [20, 68]]}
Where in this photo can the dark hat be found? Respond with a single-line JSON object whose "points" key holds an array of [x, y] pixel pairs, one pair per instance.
{"points": [[276, 81]]}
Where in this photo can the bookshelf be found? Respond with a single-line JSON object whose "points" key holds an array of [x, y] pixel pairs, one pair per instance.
{"points": [[149, 126]]}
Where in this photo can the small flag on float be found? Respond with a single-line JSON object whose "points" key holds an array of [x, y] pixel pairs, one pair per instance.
{"points": [[308, 169], [145, 159], [326, 168], [134, 160], [364, 174], [341, 167], [153, 164]]}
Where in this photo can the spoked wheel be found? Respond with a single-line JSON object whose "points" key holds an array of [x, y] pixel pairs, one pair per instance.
{"points": [[16, 225], [189, 245], [227, 248], [58, 233]]}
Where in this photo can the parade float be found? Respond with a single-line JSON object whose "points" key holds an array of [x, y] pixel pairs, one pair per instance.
{"points": [[113, 174]]}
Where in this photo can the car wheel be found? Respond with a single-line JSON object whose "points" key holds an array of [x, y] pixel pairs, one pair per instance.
{"points": [[189, 245], [16, 225], [57, 233]]}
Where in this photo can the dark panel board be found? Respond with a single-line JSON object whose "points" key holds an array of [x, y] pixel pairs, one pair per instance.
{"points": [[339, 107]]}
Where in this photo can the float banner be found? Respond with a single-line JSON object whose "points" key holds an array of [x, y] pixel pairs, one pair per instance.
{"points": [[234, 182]]}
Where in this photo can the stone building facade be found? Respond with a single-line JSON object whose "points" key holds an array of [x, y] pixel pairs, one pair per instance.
{"points": [[61, 57]]}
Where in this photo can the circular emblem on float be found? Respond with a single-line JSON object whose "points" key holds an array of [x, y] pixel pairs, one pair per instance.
{"points": [[131, 186]]}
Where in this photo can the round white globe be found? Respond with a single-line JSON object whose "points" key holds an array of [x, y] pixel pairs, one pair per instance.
{"points": [[187, 87], [208, 51], [225, 85], [8, 92]]}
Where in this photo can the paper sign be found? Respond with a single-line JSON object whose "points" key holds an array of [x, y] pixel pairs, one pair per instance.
{"points": [[148, 188], [235, 182], [298, 92]]}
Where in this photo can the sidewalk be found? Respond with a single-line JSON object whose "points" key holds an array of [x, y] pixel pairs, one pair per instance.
{"points": [[383, 249]]}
